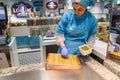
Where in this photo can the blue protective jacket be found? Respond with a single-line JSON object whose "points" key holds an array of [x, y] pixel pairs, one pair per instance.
{"points": [[76, 30]]}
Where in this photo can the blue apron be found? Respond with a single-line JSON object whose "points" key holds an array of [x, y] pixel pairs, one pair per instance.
{"points": [[76, 35]]}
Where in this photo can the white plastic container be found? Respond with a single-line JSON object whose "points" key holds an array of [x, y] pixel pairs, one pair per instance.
{"points": [[85, 49]]}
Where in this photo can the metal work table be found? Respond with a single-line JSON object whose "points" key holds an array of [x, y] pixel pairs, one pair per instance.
{"points": [[85, 74]]}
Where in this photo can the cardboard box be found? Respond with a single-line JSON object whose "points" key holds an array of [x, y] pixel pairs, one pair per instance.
{"points": [[3, 61]]}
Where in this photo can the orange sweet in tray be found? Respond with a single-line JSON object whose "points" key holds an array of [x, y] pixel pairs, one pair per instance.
{"points": [[57, 62], [57, 59], [115, 55]]}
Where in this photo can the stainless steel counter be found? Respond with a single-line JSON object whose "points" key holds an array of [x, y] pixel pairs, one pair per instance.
{"points": [[90, 71], [85, 74]]}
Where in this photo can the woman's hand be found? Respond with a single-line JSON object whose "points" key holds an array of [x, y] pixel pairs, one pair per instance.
{"points": [[117, 46], [64, 52]]}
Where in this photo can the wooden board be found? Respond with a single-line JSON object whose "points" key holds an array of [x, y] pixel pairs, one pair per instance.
{"points": [[57, 62]]}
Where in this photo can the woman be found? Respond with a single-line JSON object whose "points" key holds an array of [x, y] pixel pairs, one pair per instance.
{"points": [[76, 27]]}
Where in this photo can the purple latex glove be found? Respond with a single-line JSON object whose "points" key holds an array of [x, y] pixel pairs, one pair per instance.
{"points": [[50, 34], [64, 52], [117, 46]]}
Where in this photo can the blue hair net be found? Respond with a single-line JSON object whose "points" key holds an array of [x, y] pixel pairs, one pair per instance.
{"points": [[86, 3]]}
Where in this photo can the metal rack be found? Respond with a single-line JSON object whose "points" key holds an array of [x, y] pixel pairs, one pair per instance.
{"points": [[24, 56]]}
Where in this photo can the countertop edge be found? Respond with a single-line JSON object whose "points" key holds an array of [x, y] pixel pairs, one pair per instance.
{"points": [[105, 73]]}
